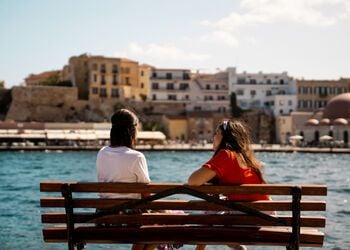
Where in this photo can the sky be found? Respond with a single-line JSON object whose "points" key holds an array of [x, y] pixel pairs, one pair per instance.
{"points": [[309, 39]]}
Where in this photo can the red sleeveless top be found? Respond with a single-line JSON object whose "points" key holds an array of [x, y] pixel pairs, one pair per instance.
{"points": [[228, 171]]}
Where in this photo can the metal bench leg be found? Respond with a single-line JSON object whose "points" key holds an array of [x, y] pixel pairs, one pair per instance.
{"points": [[295, 239]]}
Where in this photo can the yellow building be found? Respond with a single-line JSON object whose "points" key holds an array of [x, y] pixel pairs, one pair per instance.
{"points": [[177, 127], [145, 72], [314, 94], [129, 74], [103, 78]]}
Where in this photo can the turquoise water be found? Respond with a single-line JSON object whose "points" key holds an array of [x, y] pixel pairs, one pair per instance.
{"points": [[21, 173]]}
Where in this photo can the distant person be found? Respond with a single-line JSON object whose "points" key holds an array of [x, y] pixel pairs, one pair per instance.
{"points": [[233, 162], [119, 162]]}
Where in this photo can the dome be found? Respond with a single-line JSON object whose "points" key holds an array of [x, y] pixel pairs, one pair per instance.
{"points": [[338, 107], [312, 122], [340, 121], [325, 121]]}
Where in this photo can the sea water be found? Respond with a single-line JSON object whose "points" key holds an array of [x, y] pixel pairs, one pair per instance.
{"points": [[21, 173]]}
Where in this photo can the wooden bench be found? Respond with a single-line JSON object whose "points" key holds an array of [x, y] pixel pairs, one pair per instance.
{"points": [[71, 217]]}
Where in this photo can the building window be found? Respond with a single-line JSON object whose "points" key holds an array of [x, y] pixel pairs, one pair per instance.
{"points": [[187, 97], [253, 92], [184, 86], [169, 86], [127, 80], [142, 73], [268, 81], [186, 76], [103, 68], [95, 78], [290, 103], [268, 93], [103, 79], [154, 97], [169, 76], [281, 81], [208, 98], [142, 85], [115, 81], [155, 85], [103, 92], [95, 91], [241, 81], [154, 74], [252, 81], [217, 86], [94, 66], [114, 69], [207, 86], [115, 93], [240, 91], [172, 97]]}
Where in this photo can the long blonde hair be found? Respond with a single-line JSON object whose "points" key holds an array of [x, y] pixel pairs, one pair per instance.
{"points": [[236, 137]]}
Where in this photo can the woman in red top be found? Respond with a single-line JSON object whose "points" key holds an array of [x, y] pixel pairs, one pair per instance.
{"points": [[233, 162]]}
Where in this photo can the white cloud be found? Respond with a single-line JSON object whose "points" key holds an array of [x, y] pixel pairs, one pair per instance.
{"points": [[315, 13], [156, 52]]}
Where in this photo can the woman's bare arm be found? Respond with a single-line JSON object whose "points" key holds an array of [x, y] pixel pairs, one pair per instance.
{"points": [[201, 176]]}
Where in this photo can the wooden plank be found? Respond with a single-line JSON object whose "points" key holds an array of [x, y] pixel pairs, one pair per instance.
{"points": [[272, 189], [274, 205], [186, 235], [181, 219]]}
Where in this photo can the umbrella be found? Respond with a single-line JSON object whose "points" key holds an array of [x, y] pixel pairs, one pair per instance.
{"points": [[296, 137], [326, 138]]}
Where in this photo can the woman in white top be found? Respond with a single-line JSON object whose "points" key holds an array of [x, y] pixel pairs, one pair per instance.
{"points": [[119, 162]]}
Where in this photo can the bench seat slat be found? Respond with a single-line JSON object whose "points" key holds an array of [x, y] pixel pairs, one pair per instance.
{"points": [[272, 189], [277, 205], [188, 235], [181, 219]]}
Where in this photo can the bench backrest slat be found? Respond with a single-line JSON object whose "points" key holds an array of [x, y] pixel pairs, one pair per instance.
{"points": [[178, 219], [272, 189], [272, 205]]}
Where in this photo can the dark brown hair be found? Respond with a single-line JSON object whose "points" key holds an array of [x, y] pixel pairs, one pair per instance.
{"points": [[236, 137], [123, 131]]}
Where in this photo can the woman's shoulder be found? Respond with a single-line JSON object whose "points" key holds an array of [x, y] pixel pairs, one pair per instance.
{"points": [[227, 153], [135, 152]]}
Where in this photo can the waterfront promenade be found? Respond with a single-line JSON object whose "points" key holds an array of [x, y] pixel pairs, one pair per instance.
{"points": [[181, 147]]}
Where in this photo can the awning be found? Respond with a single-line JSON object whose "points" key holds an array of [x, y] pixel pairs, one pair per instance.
{"points": [[150, 135]]}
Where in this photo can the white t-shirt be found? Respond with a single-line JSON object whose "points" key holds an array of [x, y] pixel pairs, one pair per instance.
{"points": [[121, 164]]}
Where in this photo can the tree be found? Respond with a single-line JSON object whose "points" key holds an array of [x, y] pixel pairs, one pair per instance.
{"points": [[236, 111]]}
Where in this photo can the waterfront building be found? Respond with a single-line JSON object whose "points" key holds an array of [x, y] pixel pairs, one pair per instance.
{"points": [[209, 92], [328, 126], [176, 126], [275, 92], [145, 72], [170, 86], [314, 94], [102, 78]]}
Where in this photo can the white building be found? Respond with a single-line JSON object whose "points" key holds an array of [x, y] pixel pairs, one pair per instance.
{"points": [[170, 85], [274, 91], [209, 92]]}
